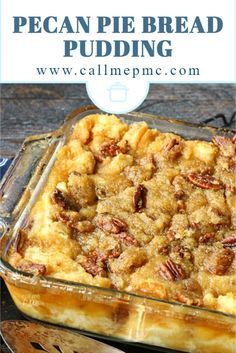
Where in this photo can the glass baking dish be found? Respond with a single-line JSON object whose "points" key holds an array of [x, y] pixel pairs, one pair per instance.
{"points": [[98, 311]]}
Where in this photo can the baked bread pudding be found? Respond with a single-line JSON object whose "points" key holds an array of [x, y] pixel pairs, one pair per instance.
{"points": [[134, 209]]}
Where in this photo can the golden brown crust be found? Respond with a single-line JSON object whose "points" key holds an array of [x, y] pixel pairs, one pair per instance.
{"points": [[135, 209]]}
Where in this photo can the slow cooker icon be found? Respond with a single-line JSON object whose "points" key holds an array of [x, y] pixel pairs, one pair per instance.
{"points": [[118, 93]]}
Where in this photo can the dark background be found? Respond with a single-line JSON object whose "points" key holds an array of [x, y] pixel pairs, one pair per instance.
{"points": [[32, 109]]}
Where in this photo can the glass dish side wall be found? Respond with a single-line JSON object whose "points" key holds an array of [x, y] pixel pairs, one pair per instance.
{"points": [[108, 312], [122, 316]]}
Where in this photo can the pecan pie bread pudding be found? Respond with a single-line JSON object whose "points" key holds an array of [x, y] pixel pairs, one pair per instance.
{"points": [[131, 208]]}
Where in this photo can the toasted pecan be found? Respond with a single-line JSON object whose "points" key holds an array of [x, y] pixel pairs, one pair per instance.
{"points": [[95, 264], [126, 239], [181, 252], [111, 224], [219, 261], [172, 149], [111, 149], [37, 269], [91, 267], [140, 198], [204, 181], [171, 271], [229, 242], [59, 198], [63, 200], [170, 144]]}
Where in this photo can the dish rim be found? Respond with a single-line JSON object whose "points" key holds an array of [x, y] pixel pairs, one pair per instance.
{"points": [[13, 275]]}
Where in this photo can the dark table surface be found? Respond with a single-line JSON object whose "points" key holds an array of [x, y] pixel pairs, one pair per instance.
{"points": [[31, 109]]}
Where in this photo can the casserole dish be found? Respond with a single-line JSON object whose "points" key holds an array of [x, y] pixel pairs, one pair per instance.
{"points": [[109, 312]]}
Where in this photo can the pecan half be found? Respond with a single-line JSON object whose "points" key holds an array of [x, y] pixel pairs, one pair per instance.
{"points": [[206, 238], [225, 145], [37, 269], [170, 144], [219, 262], [59, 198], [172, 149], [95, 264], [140, 198], [181, 252], [126, 239], [110, 224], [171, 271], [91, 267], [111, 149], [63, 200], [204, 181], [229, 242]]}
